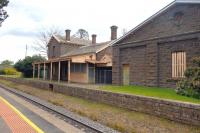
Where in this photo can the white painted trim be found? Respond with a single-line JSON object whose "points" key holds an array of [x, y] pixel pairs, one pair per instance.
{"points": [[69, 71], [33, 71], [56, 38], [38, 71], [188, 1], [109, 44]]}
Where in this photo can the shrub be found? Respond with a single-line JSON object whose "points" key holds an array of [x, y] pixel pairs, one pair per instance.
{"points": [[1, 72], [10, 71], [25, 65], [190, 86], [196, 60]]}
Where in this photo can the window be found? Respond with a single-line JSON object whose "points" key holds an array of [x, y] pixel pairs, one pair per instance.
{"points": [[178, 64], [53, 51], [78, 67]]}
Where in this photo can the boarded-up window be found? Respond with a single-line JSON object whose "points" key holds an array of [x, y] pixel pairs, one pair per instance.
{"points": [[178, 64]]}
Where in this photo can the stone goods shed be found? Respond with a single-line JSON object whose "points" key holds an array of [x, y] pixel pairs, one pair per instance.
{"points": [[158, 51]]}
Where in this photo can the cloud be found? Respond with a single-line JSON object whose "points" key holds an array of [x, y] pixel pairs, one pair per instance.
{"points": [[13, 48], [26, 17], [28, 9], [19, 32]]}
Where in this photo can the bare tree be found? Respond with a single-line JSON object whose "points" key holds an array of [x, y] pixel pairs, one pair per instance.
{"points": [[124, 31], [3, 13], [43, 37], [82, 34]]}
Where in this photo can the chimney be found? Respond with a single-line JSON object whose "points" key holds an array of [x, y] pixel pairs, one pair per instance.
{"points": [[113, 32], [67, 34], [94, 39]]}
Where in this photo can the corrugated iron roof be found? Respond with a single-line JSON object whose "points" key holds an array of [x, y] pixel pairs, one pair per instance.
{"points": [[88, 49], [73, 40]]}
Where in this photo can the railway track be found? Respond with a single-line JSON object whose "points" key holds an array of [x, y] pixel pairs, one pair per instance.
{"points": [[80, 122]]}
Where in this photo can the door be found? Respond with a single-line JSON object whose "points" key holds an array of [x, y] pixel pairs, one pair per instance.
{"points": [[91, 73], [126, 77], [64, 71]]}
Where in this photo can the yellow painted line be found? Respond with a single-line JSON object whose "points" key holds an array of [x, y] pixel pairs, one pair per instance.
{"points": [[22, 116]]}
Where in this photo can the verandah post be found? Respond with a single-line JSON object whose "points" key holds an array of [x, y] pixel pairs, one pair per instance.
{"points": [[44, 73], [51, 72], [33, 71], [69, 71], [59, 71], [38, 71]]}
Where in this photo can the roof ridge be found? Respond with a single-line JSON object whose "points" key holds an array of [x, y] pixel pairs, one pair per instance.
{"points": [[71, 37], [78, 41], [86, 49], [187, 1]]}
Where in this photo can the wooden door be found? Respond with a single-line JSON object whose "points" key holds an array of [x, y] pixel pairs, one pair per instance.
{"points": [[126, 74]]}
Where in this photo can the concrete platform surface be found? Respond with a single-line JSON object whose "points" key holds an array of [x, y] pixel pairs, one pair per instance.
{"points": [[18, 115]]}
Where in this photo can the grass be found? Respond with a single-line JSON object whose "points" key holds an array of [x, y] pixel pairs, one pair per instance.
{"points": [[117, 118], [164, 93], [156, 92], [12, 76]]}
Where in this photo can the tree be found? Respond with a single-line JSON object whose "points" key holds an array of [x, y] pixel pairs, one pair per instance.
{"points": [[3, 13], [10, 71], [6, 68], [190, 86], [124, 31], [42, 40], [7, 63], [25, 65], [82, 34]]}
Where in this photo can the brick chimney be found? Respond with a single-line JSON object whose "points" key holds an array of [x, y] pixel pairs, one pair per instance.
{"points": [[113, 32], [94, 39], [67, 34]]}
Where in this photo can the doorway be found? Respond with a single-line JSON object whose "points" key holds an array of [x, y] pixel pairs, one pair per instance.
{"points": [[126, 74], [91, 73]]}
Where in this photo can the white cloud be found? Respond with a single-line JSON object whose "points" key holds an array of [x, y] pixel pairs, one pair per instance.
{"points": [[26, 17], [13, 47]]}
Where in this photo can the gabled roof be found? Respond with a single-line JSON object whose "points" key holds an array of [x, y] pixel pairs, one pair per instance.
{"points": [[155, 15], [73, 40], [88, 49]]}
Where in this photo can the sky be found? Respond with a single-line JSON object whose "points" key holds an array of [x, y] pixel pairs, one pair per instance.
{"points": [[29, 17]]}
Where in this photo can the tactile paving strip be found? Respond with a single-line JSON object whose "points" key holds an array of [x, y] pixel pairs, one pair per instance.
{"points": [[13, 120]]}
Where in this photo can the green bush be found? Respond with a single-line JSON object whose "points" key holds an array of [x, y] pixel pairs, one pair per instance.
{"points": [[196, 60], [1, 72], [10, 71], [25, 65], [190, 86]]}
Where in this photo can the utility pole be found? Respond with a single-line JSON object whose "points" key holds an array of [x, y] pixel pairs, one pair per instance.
{"points": [[26, 51]]}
